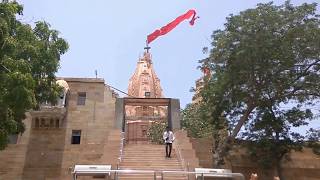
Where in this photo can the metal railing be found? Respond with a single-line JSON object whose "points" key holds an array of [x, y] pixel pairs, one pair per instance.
{"points": [[155, 173], [122, 142]]}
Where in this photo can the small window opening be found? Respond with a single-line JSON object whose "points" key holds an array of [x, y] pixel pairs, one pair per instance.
{"points": [[76, 137], [57, 123], [82, 98]]}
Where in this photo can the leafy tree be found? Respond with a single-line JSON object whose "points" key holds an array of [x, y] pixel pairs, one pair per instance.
{"points": [[29, 58], [195, 125], [265, 74], [155, 132], [313, 140]]}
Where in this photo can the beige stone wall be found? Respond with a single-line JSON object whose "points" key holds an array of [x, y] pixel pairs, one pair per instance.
{"points": [[47, 153], [303, 165], [95, 120], [12, 159]]}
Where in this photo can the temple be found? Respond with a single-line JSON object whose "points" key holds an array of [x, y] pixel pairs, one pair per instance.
{"points": [[144, 83]]}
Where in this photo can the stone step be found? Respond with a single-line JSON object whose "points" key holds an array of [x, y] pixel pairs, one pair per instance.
{"points": [[160, 157], [142, 165], [151, 162], [149, 157], [150, 177]]}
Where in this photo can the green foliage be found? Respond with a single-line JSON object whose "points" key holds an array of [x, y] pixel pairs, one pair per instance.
{"points": [[155, 132], [265, 74], [313, 140], [192, 121], [29, 59]]}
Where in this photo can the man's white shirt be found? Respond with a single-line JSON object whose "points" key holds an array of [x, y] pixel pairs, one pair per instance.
{"points": [[168, 137]]}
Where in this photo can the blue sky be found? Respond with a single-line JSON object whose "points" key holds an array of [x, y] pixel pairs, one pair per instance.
{"points": [[109, 36]]}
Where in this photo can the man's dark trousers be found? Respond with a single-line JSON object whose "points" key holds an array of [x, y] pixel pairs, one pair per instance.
{"points": [[168, 149]]}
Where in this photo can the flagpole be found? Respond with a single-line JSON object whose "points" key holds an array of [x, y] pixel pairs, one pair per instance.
{"points": [[147, 47]]}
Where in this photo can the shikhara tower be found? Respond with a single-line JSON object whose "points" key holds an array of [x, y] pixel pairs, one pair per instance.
{"points": [[144, 82]]}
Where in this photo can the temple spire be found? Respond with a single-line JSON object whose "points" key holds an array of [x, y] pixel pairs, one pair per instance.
{"points": [[144, 81]]}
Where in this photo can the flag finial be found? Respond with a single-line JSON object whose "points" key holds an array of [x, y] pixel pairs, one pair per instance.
{"points": [[147, 47]]}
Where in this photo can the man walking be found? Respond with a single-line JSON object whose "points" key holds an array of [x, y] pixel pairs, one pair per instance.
{"points": [[168, 138]]}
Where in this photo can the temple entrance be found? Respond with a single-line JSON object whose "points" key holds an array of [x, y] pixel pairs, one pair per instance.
{"points": [[138, 114], [137, 131]]}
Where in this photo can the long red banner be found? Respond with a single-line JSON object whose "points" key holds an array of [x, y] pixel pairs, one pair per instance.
{"points": [[165, 29]]}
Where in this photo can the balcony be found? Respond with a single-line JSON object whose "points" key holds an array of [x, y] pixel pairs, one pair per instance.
{"points": [[48, 117]]}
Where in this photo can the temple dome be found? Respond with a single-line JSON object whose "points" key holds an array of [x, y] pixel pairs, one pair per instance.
{"points": [[62, 83]]}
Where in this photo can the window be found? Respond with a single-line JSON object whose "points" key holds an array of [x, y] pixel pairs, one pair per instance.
{"points": [[57, 123], [42, 123], [81, 98], [76, 137], [37, 124], [51, 123], [147, 94]]}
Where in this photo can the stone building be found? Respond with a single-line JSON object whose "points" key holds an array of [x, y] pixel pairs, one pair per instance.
{"points": [[78, 130]]}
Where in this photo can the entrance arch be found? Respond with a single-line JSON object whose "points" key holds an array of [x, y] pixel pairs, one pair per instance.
{"points": [[136, 123]]}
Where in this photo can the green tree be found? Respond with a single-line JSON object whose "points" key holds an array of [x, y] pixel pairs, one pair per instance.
{"points": [[265, 74], [29, 59], [195, 125]]}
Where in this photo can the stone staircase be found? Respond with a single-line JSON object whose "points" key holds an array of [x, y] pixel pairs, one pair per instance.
{"points": [[149, 157], [187, 152]]}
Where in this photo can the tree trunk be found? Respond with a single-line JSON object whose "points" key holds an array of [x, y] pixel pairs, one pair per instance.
{"points": [[222, 150], [278, 163], [279, 170]]}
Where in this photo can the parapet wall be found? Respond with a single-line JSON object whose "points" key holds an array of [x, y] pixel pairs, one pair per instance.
{"points": [[303, 165]]}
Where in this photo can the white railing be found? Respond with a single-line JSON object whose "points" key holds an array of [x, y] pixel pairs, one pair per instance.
{"points": [[156, 174], [121, 149]]}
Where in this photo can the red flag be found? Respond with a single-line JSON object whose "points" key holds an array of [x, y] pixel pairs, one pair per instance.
{"points": [[165, 29]]}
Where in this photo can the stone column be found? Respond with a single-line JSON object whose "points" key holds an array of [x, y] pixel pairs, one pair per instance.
{"points": [[119, 120], [174, 114]]}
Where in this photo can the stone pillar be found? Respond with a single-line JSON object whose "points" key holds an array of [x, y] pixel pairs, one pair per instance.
{"points": [[174, 114], [119, 120]]}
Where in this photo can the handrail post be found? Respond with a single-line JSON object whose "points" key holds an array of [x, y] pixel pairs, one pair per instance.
{"points": [[202, 177], [188, 171], [154, 175], [161, 175], [115, 175]]}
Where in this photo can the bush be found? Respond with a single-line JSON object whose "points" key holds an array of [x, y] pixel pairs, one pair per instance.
{"points": [[155, 132]]}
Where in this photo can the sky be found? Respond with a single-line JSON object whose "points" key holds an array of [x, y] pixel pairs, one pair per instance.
{"points": [[109, 36]]}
